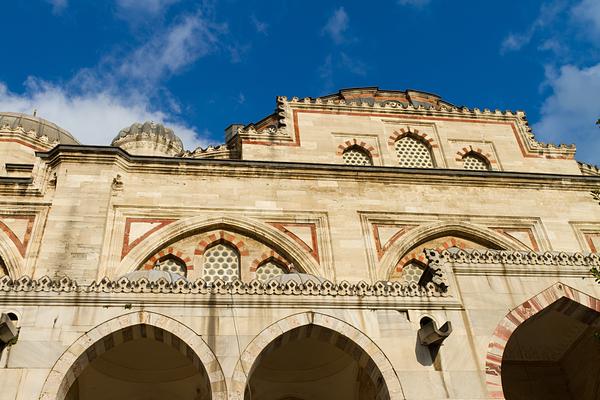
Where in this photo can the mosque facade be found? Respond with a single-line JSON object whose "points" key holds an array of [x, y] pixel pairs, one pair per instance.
{"points": [[369, 244]]}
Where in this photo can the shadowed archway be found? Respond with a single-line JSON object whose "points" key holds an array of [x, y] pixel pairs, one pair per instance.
{"points": [[314, 356], [547, 348], [138, 355]]}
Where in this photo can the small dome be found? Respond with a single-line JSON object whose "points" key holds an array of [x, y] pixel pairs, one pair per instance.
{"points": [[152, 275], [41, 127], [299, 278], [148, 139]]}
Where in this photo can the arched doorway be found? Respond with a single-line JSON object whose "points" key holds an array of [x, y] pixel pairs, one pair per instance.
{"points": [[316, 357], [547, 348], [554, 355], [141, 362], [139, 355]]}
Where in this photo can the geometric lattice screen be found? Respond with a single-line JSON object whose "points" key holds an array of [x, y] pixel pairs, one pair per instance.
{"points": [[412, 272], [356, 156], [412, 153], [473, 162], [268, 271], [171, 264], [221, 261]]}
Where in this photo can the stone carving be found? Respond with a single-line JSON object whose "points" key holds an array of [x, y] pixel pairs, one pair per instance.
{"points": [[460, 256], [117, 183], [435, 268], [219, 151], [596, 195], [588, 169], [200, 286]]}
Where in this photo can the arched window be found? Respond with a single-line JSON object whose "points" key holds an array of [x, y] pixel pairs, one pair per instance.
{"points": [[475, 162], [413, 153], [171, 263], [221, 261], [269, 270], [356, 155]]}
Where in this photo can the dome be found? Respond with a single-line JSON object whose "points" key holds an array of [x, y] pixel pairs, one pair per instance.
{"points": [[148, 139], [152, 275], [41, 127], [298, 278]]}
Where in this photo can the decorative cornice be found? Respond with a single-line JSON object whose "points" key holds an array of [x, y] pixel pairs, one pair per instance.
{"points": [[589, 169], [460, 256], [219, 287], [30, 135], [242, 168], [220, 151]]}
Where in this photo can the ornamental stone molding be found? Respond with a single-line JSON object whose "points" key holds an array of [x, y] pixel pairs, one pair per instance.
{"points": [[459, 256], [26, 284]]}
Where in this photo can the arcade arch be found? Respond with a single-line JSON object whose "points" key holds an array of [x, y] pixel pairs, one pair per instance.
{"points": [[139, 355], [314, 356], [547, 348]]}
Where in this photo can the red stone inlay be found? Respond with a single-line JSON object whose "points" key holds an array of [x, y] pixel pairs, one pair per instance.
{"points": [[314, 251], [21, 245], [127, 246]]}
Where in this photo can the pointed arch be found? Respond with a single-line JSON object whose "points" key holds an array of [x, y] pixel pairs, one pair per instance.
{"points": [[74, 360], [250, 227], [422, 234], [13, 261], [360, 342], [514, 319]]}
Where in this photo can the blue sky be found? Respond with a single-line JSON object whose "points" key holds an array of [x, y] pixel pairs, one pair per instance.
{"points": [[95, 67]]}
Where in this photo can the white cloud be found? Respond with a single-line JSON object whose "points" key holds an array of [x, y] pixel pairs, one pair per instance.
{"points": [[414, 3], [96, 103], [143, 7], [569, 114], [588, 15], [546, 17], [58, 6], [515, 41], [352, 64], [168, 52], [92, 117], [336, 25], [260, 26]]}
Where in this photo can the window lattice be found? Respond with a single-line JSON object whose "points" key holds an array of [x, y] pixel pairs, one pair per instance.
{"points": [[356, 156], [412, 272], [471, 161], [413, 153], [171, 264], [221, 261], [268, 271]]}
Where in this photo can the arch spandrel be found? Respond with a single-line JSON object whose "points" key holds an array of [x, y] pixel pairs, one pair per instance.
{"points": [[254, 350], [515, 318], [75, 359], [422, 234], [189, 226]]}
